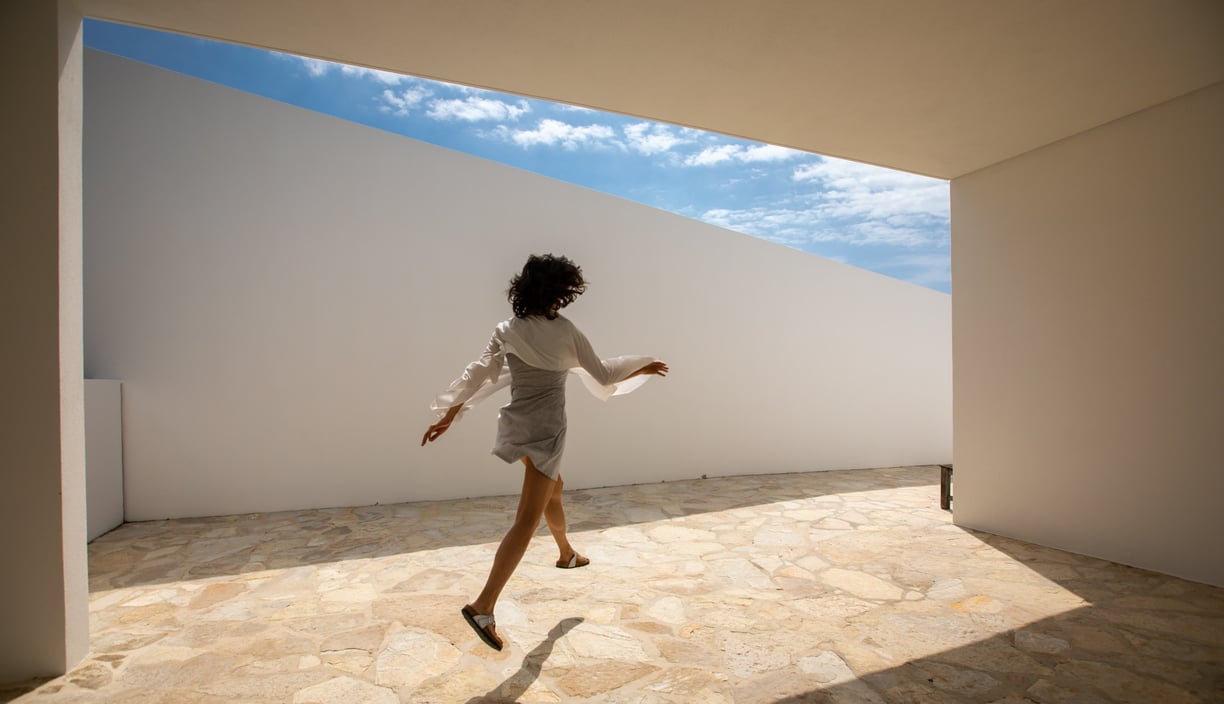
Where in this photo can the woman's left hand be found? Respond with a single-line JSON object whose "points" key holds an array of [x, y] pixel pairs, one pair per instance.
{"points": [[655, 367]]}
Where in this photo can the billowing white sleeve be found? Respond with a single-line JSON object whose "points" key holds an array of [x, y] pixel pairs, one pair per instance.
{"points": [[606, 378], [480, 379]]}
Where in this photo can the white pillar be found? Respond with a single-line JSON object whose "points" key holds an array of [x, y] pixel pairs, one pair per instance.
{"points": [[44, 596], [1088, 334]]}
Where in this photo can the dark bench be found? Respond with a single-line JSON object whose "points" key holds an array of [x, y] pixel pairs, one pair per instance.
{"points": [[945, 487]]}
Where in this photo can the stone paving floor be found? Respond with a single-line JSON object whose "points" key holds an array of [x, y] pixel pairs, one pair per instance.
{"points": [[848, 586]]}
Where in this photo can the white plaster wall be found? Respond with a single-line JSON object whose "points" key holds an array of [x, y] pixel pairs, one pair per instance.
{"points": [[103, 455], [44, 594], [1089, 339], [283, 293]]}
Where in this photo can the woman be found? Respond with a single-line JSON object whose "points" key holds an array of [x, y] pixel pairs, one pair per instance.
{"points": [[533, 352]]}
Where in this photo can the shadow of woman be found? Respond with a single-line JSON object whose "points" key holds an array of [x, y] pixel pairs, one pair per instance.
{"points": [[516, 684]]}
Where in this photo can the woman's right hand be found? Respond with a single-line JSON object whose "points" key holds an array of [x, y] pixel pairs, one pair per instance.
{"points": [[435, 431], [655, 367]]}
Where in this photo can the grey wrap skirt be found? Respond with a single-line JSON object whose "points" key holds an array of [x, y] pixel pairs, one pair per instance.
{"points": [[532, 425]]}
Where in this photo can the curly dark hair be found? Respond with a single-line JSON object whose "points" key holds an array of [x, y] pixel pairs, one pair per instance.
{"points": [[546, 285]]}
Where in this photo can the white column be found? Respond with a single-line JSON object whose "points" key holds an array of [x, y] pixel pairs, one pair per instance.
{"points": [[44, 615], [1088, 334]]}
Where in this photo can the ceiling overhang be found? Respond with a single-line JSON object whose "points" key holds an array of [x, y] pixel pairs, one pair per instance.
{"points": [[938, 87]]}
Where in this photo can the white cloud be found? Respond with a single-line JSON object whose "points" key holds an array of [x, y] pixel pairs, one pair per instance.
{"points": [[713, 155], [767, 153], [799, 226], [652, 138], [314, 67], [475, 108], [384, 77], [722, 153], [318, 68], [462, 89], [405, 101], [554, 132], [848, 189], [808, 229]]}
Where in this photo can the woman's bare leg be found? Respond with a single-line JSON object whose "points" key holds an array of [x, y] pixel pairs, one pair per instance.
{"points": [[537, 490], [554, 514]]}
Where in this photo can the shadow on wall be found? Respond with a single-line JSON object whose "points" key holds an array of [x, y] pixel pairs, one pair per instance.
{"points": [[156, 552]]}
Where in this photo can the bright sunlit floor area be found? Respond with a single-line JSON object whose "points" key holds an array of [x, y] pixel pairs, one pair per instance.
{"points": [[846, 586]]}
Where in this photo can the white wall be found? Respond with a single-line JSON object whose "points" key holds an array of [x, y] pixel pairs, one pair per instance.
{"points": [[103, 455], [1089, 344], [44, 594], [282, 294]]}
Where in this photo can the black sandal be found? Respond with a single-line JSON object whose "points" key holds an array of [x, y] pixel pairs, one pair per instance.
{"points": [[484, 625], [575, 560]]}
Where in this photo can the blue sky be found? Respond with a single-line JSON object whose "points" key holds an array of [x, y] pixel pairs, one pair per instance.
{"points": [[885, 221]]}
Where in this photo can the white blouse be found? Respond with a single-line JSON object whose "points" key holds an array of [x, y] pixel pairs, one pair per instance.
{"points": [[556, 345]]}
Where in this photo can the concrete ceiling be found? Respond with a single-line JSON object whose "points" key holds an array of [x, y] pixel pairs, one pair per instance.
{"points": [[937, 87]]}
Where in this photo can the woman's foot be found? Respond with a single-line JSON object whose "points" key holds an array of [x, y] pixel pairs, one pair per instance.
{"points": [[574, 560], [484, 625]]}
